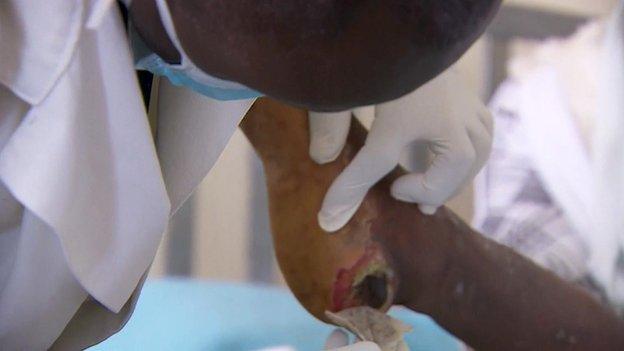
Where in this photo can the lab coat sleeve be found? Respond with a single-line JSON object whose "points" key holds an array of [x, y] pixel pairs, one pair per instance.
{"points": [[83, 160], [192, 132], [38, 39], [82, 165]]}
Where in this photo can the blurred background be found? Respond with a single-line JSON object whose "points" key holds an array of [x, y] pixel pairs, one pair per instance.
{"points": [[222, 232]]}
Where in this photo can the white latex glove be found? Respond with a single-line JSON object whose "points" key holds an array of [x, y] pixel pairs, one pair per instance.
{"points": [[444, 113], [339, 341]]}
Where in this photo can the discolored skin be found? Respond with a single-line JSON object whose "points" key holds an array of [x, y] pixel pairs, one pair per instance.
{"points": [[296, 188], [482, 292], [325, 55]]}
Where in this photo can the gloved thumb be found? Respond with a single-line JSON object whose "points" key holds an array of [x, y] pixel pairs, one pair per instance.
{"points": [[328, 134], [373, 162]]}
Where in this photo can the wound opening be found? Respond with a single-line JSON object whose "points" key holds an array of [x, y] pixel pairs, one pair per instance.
{"points": [[373, 291]]}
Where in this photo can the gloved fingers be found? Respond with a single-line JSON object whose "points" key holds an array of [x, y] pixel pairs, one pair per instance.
{"points": [[328, 135], [451, 167], [360, 346], [337, 338], [373, 162]]}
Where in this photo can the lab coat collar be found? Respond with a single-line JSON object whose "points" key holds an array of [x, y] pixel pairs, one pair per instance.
{"points": [[38, 41]]}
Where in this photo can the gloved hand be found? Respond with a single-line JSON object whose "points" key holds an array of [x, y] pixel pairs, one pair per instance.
{"points": [[339, 341], [444, 113]]}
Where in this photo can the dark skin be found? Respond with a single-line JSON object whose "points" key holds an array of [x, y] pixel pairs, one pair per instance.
{"points": [[495, 299], [325, 55], [482, 292]]}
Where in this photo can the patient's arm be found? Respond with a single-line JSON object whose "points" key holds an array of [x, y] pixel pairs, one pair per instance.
{"points": [[495, 299], [480, 291], [321, 54]]}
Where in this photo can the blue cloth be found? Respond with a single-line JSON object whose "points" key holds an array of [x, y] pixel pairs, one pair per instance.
{"points": [[185, 315]]}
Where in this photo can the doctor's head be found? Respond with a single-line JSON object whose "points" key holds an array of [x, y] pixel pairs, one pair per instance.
{"points": [[319, 54]]}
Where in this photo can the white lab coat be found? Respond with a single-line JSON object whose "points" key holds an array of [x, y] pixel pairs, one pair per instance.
{"points": [[83, 199]]}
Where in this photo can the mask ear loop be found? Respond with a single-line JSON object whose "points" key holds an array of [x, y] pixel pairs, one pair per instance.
{"points": [[186, 64], [167, 21]]}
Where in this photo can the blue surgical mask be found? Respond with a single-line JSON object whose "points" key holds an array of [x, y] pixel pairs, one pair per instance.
{"points": [[187, 73]]}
